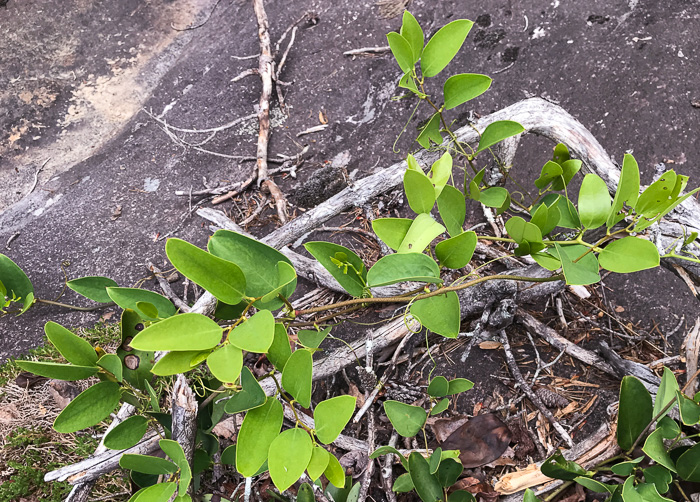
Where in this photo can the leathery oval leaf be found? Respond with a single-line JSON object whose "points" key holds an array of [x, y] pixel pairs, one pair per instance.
{"points": [[419, 191], [68, 372], [497, 131], [250, 396], [627, 189], [280, 350], [184, 332], [318, 463], [225, 363], [129, 298], [689, 464], [443, 46], [296, 376], [256, 333], [439, 314], [413, 33], [581, 272], [593, 201], [350, 272], [15, 281], [406, 419], [331, 416], [421, 233], [391, 230], [634, 412], [90, 407], [456, 252], [427, 485], [395, 268], [290, 454], [629, 254], [127, 433], [93, 287], [147, 464], [259, 428], [463, 87], [161, 492], [402, 51], [176, 362], [335, 472], [75, 349], [452, 208]]}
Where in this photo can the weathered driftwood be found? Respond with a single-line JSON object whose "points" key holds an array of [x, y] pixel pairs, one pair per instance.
{"points": [[184, 415]]}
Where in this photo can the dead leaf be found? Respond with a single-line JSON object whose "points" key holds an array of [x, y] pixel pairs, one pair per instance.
{"points": [[490, 345], [354, 463], [62, 392], [619, 309], [106, 316], [480, 441], [577, 496], [116, 213], [359, 396], [445, 427], [27, 380], [322, 117]]}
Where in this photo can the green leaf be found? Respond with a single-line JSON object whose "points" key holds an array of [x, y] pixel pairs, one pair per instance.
{"points": [[659, 476], [440, 173], [419, 191], [669, 426], [523, 231], [257, 261], [173, 450], [438, 387], [15, 282], [184, 332], [222, 278], [558, 467], [689, 409], [593, 485], [90, 407], [156, 493], [331, 416], [427, 486], [547, 260], [465, 496], [448, 472], [173, 363], [296, 376], [629, 494], [452, 209], [629, 254], [351, 278], [58, 371], [568, 214], [497, 131], [626, 468], [290, 453], [569, 169], [250, 396], [280, 350], [443, 46], [137, 364], [402, 51], [318, 463], [634, 413], [463, 87], [225, 363], [497, 197], [403, 483], [441, 406], [391, 230], [439, 314], [255, 334], [656, 450], [689, 464], [528, 496], [395, 268], [259, 428], [430, 131], [406, 419], [113, 364], [228, 456], [147, 309], [666, 393], [649, 493], [550, 172], [644, 223], [147, 464], [312, 338], [581, 272], [385, 450], [458, 385], [286, 275], [229, 312], [657, 196], [335, 472], [76, 350], [126, 434], [456, 252], [593, 201], [128, 298], [421, 233], [305, 493], [561, 153], [627, 190], [93, 287], [545, 217], [413, 33]]}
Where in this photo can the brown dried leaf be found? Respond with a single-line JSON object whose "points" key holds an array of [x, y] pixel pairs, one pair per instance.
{"points": [[480, 441], [444, 427], [26, 380], [490, 345]]}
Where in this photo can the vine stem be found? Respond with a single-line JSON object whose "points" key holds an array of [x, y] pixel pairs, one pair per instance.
{"points": [[74, 307]]}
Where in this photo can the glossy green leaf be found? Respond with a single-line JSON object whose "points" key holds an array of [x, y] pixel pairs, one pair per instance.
{"points": [[427, 486], [593, 485], [441, 406], [666, 393], [547, 260], [463, 87], [173, 450], [438, 387], [113, 364], [386, 450], [657, 196], [58, 371], [286, 276], [634, 413], [458, 385], [280, 350], [496, 197], [443, 46], [593, 201], [395, 268], [296, 376], [406, 419], [688, 464], [93, 287], [528, 496], [452, 209], [318, 463], [344, 265], [430, 132], [259, 428], [689, 409], [15, 282], [440, 173], [644, 223], [626, 468], [335, 472], [558, 467], [578, 269], [465, 496], [421, 233], [561, 153], [568, 216], [419, 191], [656, 450], [669, 426], [629, 254], [402, 51], [521, 230], [413, 33], [290, 453], [126, 434], [137, 364], [448, 472], [545, 217], [75, 349], [147, 464], [128, 298], [439, 314], [331, 416], [550, 172], [228, 456], [649, 493], [250, 396], [147, 309], [391, 230], [161, 492], [255, 334], [184, 332], [403, 483], [456, 252], [569, 169], [629, 494], [90, 407], [225, 363], [155, 404], [176, 362], [311, 338], [497, 131], [305, 493], [627, 190], [659, 476]]}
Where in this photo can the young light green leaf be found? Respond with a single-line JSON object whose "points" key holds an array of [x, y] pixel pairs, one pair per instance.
{"points": [[496, 197], [259, 428], [550, 172], [90, 407], [290, 453], [656, 450], [113, 364], [634, 413], [128, 298], [456, 252], [286, 275], [312, 338], [421, 233], [392, 231], [593, 202], [296, 376], [657, 196], [439, 314], [222, 278], [395, 268], [413, 33], [546, 217], [250, 396], [93, 287], [335, 472], [184, 332], [463, 87], [162, 492], [402, 51], [419, 191], [438, 387], [318, 463], [225, 363], [497, 131], [280, 350], [567, 211], [523, 231], [443, 46], [452, 209], [666, 393], [688, 464], [569, 169], [255, 334], [331, 416], [176, 362], [547, 260], [15, 282], [581, 272], [561, 153], [689, 409], [629, 254], [427, 486], [406, 419], [75, 349], [343, 264], [430, 131], [147, 464], [147, 309], [440, 407], [440, 173], [127, 433], [68, 372], [627, 190]]}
